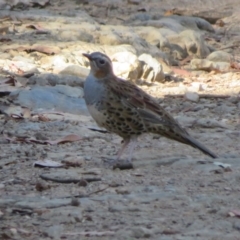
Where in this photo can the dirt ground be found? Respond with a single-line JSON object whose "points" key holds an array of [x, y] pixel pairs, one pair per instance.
{"points": [[173, 192]]}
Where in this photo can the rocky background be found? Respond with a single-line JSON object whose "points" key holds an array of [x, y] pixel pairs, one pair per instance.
{"points": [[54, 179]]}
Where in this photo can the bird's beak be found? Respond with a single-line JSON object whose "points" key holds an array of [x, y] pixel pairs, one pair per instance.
{"points": [[88, 56]]}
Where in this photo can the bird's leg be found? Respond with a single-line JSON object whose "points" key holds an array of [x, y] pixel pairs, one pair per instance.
{"points": [[120, 152], [125, 164], [132, 146]]}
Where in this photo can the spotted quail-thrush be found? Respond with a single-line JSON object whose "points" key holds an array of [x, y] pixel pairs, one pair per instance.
{"points": [[123, 108]]}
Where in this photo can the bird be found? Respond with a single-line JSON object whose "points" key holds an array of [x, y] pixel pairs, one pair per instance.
{"points": [[123, 108]]}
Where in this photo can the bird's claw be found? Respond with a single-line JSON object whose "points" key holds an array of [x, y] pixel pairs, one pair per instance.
{"points": [[120, 164]]}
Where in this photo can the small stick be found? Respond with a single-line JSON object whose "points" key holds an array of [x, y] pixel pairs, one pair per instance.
{"points": [[70, 180]]}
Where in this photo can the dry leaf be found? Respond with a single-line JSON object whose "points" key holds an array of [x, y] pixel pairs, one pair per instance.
{"points": [[69, 138]]}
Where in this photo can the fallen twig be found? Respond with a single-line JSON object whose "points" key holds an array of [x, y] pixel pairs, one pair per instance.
{"points": [[69, 180]]}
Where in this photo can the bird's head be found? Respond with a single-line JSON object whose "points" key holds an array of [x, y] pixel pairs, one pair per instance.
{"points": [[101, 64]]}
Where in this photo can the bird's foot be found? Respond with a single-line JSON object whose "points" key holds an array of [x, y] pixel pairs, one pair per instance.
{"points": [[123, 165], [117, 163]]}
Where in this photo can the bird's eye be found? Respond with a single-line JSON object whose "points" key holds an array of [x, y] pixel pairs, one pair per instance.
{"points": [[101, 61]]}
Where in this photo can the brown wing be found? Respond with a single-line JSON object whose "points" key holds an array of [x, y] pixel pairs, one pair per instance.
{"points": [[147, 107]]}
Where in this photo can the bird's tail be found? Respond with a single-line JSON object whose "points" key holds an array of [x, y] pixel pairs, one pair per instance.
{"points": [[194, 143]]}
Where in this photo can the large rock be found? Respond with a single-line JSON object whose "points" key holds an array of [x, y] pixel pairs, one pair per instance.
{"points": [[168, 23], [152, 69], [70, 35], [206, 65], [57, 98], [194, 23], [188, 43], [153, 36], [55, 79], [126, 65], [110, 38], [75, 70], [220, 56]]}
